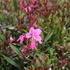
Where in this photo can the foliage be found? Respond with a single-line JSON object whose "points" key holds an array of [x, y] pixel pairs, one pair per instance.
{"points": [[52, 17]]}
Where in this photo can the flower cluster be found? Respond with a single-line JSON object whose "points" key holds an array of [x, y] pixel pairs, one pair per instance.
{"points": [[31, 8], [33, 35]]}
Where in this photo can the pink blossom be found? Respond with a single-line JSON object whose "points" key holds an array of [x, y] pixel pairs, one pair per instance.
{"points": [[11, 39], [34, 34], [30, 9], [33, 44], [23, 49], [33, 2], [30, 46], [21, 38], [46, 2], [27, 9], [20, 4]]}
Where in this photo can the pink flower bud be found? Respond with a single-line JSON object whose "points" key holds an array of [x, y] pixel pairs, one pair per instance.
{"points": [[25, 9], [33, 2], [21, 38], [11, 39]]}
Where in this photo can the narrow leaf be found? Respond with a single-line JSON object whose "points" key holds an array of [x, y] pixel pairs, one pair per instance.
{"points": [[9, 60], [15, 49], [47, 38]]}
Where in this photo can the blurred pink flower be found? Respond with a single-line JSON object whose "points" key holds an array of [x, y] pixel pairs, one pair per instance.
{"points": [[21, 38], [34, 2], [46, 2], [30, 9], [23, 50], [11, 39], [27, 9], [20, 4], [33, 44], [30, 46], [34, 34]]}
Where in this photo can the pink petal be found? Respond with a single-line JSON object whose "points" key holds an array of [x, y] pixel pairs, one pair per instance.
{"points": [[21, 38], [30, 9], [29, 46], [25, 9], [31, 31], [23, 50], [38, 38], [20, 4], [37, 31], [28, 35], [21, 41], [11, 39], [33, 45], [33, 2]]}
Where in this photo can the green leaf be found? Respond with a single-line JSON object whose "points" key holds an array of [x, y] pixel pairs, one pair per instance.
{"points": [[33, 67], [49, 62], [2, 37], [47, 38], [15, 4], [15, 49], [9, 60]]}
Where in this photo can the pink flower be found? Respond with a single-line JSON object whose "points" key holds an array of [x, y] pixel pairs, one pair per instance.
{"points": [[30, 9], [11, 39], [21, 38], [33, 2], [46, 2], [27, 9], [30, 46], [34, 34], [33, 44], [23, 50], [20, 4]]}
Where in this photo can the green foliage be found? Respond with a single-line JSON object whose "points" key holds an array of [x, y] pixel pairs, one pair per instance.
{"points": [[55, 47], [15, 49], [10, 61]]}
